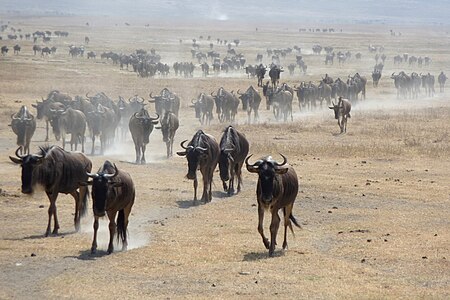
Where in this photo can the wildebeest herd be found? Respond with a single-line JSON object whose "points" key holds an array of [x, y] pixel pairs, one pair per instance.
{"points": [[102, 118]]}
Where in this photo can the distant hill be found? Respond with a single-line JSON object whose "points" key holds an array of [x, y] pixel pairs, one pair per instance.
{"points": [[317, 11]]}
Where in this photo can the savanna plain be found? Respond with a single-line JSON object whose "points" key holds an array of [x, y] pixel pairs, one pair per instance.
{"points": [[373, 203]]}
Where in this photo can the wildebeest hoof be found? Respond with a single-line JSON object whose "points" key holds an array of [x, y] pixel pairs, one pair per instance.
{"points": [[93, 250]]}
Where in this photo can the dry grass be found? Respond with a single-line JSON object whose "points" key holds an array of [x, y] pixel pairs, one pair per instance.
{"points": [[373, 202]]}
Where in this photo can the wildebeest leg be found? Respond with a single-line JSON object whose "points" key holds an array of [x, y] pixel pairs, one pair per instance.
{"points": [[256, 117], [46, 130], [93, 143], [112, 230], [127, 211], [82, 143], [287, 223], [169, 150], [274, 225], [143, 154], [260, 225], [195, 188], [238, 170], [205, 196], [232, 175], [137, 148], [94, 241], [52, 212]]}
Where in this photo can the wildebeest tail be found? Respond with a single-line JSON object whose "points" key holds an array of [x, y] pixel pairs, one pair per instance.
{"points": [[294, 220], [121, 231]]}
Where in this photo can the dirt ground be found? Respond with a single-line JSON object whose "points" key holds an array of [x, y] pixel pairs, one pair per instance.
{"points": [[373, 203]]}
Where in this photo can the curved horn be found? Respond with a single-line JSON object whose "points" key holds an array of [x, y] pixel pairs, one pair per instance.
{"points": [[238, 92], [92, 175], [157, 117], [150, 95], [193, 101], [129, 100], [14, 117], [116, 172], [212, 93], [87, 95], [201, 148], [283, 163], [142, 99], [182, 144], [251, 168], [18, 155]]}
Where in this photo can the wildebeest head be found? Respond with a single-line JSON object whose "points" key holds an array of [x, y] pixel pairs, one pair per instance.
{"points": [[194, 153], [55, 121], [197, 103], [267, 169], [28, 164], [102, 187]]}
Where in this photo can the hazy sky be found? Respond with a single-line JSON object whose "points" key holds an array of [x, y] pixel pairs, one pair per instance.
{"points": [[388, 11]]}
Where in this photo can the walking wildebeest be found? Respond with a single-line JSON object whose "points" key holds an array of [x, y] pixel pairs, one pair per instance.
{"points": [[202, 153], [69, 121], [277, 189], [23, 125], [442, 78], [250, 101], [112, 192], [169, 125], [141, 125], [342, 112], [233, 151], [57, 171], [204, 106]]}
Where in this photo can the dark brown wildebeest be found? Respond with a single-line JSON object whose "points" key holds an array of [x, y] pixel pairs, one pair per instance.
{"points": [[376, 75], [43, 111], [169, 125], [16, 49], [250, 101], [274, 74], [226, 105], [57, 171], [166, 101], [204, 106], [23, 125], [342, 112], [69, 121], [141, 125], [102, 122], [276, 189], [202, 153], [112, 191], [233, 151]]}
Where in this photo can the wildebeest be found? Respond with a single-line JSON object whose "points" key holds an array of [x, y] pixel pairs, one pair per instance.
{"points": [[126, 110], [260, 72], [91, 54], [69, 121], [342, 112], [274, 74], [402, 83], [16, 49], [43, 111], [280, 99], [57, 171], [276, 189], [226, 105], [112, 191], [169, 125], [166, 101], [233, 151], [441, 79], [250, 101], [428, 84], [141, 125], [376, 75], [4, 50], [46, 51], [101, 122], [204, 106], [23, 125], [202, 153]]}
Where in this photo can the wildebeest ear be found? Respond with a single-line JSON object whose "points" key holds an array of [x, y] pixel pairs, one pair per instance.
{"points": [[181, 153], [281, 170], [15, 160], [85, 183]]}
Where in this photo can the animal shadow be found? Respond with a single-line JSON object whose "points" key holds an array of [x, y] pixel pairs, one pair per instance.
{"points": [[87, 255], [185, 204], [254, 256], [41, 236]]}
